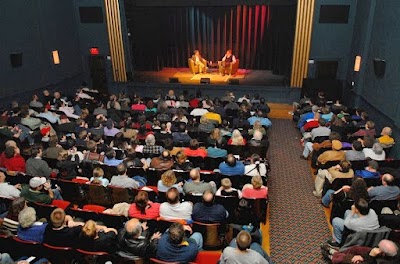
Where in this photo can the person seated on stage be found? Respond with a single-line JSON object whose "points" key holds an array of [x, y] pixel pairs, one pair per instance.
{"points": [[227, 60], [198, 60]]}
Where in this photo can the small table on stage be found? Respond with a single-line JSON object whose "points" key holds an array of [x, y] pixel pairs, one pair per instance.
{"points": [[213, 67]]}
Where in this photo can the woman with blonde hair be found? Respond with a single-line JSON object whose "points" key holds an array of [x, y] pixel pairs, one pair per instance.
{"points": [[227, 190], [216, 138], [181, 162], [256, 189], [257, 127], [96, 237], [237, 139], [168, 180]]}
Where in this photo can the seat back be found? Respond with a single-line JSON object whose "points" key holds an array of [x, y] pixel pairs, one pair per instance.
{"points": [[378, 205], [236, 150], [230, 203], [94, 207], [5, 204], [73, 192], [111, 220], [93, 256], [42, 210], [98, 194], [26, 248], [261, 151], [210, 232], [158, 261], [120, 195], [57, 254], [212, 163], [260, 207], [84, 215], [206, 257]]}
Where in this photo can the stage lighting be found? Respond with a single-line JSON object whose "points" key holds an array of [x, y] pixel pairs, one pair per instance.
{"points": [[94, 51], [357, 64], [56, 57]]}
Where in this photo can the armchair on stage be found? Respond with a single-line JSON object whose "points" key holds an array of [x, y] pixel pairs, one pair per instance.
{"points": [[195, 68], [231, 69]]}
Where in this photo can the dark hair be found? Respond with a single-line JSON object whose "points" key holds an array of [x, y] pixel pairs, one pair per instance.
{"points": [[141, 201], [176, 233], [16, 206], [362, 206], [35, 150], [110, 154], [357, 145], [9, 152], [322, 122], [358, 189]]}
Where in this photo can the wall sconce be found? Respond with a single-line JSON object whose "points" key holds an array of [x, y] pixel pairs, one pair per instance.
{"points": [[56, 58], [357, 63]]}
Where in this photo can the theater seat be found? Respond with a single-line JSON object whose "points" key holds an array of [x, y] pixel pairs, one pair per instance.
{"points": [[206, 257]]}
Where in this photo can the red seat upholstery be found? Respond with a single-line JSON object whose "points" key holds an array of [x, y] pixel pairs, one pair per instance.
{"points": [[61, 204], [206, 257], [94, 208]]}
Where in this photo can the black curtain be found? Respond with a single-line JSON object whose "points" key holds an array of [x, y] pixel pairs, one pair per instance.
{"points": [[260, 36]]}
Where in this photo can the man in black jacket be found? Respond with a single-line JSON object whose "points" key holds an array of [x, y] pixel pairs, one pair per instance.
{"points": [[134, 242]]}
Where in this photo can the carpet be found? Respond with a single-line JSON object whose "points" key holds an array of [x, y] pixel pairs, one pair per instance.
{"points": [[297, 222]]}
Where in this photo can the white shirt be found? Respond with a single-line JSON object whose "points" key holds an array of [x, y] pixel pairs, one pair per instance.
{"points": [[198, 112], [370, 154], [8, 191], [250, 170], [233, 58], [176, 211]]}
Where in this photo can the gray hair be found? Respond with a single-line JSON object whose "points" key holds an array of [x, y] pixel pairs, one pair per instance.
{"points": [[377, 148], [150, 140], [27, 217]]}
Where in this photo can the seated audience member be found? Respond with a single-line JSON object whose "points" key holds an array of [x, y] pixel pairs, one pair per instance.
{"points": [[205, 125], [195, 185], [168, 180], [386, 252], [310, 147], [387, 191], [307, 115], [7, 144], [39, 191], [208, 211], [237, 139], [194, 149], [180, 116], [256, 189], [110, 158], [370, 172], [123, 180], [181, 136], [227, 190], [215, 152], [341, 171], [213, 115], [28, 121], [7, 190], [10, 221], [357, 190], [91, 154], [62, 231], [181, 162], [54, 149], [67, 165], [134, 241], [368, 130], [259, 116], [257, 126], [336, 154], [359, 218], [151, 147], [143, 208], [94, 237], [258, 141], [375, 153], [356, 152], [321, 130], [35, 166], [174, 247], [173, 209], [98, 176], [386, 138], [326, 114], [13, 160], [216, 138], [231, 166], [255, 167], [242, 250], [29, 229], [163, 162], [198, 110]]}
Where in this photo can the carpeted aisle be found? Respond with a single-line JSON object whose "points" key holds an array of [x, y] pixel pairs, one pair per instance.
{"points": [[297, 221]]}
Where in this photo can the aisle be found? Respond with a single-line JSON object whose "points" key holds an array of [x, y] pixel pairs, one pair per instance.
{"points": [[297, 222]]}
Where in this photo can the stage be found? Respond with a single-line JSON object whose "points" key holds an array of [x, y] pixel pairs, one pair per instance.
{"points": [[245, 77]]}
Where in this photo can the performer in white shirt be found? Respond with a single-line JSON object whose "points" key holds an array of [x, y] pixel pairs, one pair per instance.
{"points": [[227, 60]]}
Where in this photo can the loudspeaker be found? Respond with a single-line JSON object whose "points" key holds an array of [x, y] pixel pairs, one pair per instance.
{"points": [[16, 59], [205, 80], [234, 81], [173, 80], [379, 67]]}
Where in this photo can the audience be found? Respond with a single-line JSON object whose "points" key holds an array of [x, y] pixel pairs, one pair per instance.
{"points": [[195, 185], [143, 208], [29, 228], [256, 189], [231, 166], [208, 211], [174, 209]]}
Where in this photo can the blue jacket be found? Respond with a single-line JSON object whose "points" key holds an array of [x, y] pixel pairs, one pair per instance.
{"points": [[367, 174], [168, 251], [34, 233], [225, 169]]}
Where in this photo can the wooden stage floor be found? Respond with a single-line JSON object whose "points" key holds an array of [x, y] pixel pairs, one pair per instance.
{"points": [[245, 77]]}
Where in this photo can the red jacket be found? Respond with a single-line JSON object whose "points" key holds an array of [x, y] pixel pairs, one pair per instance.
{"points": [[16, 163]]}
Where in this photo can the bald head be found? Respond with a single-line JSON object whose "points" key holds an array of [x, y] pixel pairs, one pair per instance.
{"points": [[133, 228], [388, 179], [208, 197], [388, 247], [194, 174], [10, 143], [386, 131]]}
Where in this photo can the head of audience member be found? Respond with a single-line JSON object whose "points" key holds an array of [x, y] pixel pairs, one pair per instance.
{"points": [[336, 145], [257, 125], [231, 160], [27, 217], [98, 173], [62, 155], [11, 143], [226, 183], [111, 154], [194, 144], [57, 218], [176, 233], [194, 175], [369, 125], [168, 178], [372, 166], [377, 148], [237, 138], [357, 145], [368, 141], [37, 151], [180, 157], [243, 240], [196, 52], [334, 136], [358, 189], [257, 182], [388, 248], [165, 155], [362, 206], [172, 195], [121, 169], [208, 198], [10, 152], [216, 134], [89, 230], [16, 207], [133, 228], [2, 177], [228, 52], [386, 131], [168, 144], [91, 146], [36, 183], [150, 140], [255, 158], [345, 166], [388, 180], [322, 122], [141, 201], [257, 135], [259, 114]]}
